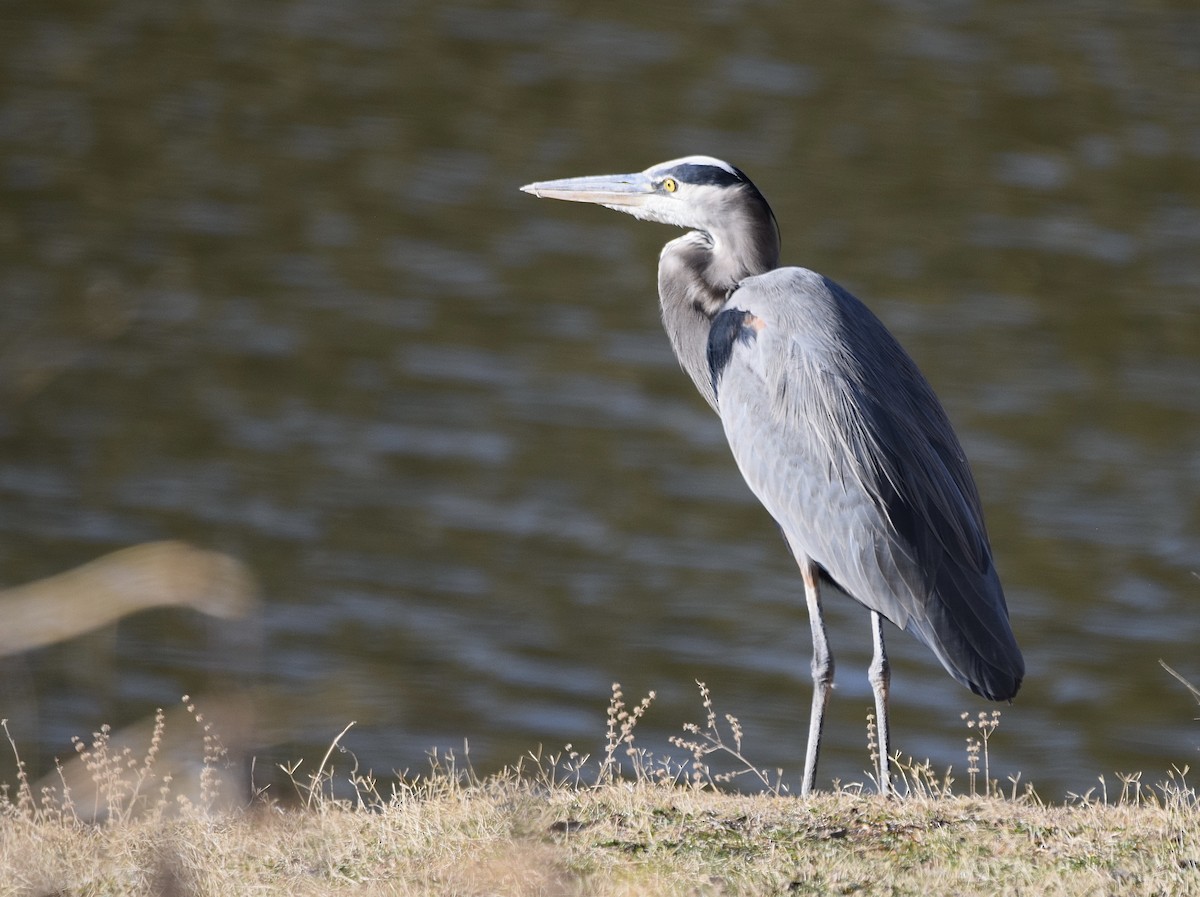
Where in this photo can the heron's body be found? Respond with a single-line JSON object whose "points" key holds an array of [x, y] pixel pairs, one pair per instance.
{"points": [[832, 426], [873, 490]]}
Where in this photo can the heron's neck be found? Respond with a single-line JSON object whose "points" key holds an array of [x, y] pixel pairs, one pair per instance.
{"points": [[696, 274]]}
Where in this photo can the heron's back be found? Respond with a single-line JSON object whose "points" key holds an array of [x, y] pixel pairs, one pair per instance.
{"points": [[844, 442]]}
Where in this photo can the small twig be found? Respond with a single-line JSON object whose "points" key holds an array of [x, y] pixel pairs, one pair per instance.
{"points": [[316, 778], [1195, 691]]}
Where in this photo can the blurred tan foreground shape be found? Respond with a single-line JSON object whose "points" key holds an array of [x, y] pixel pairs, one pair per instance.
{"points": [[154, 574], [123, 773]]}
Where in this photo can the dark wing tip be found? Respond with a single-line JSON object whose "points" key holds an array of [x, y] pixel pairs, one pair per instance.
{"points": [[995, 668], [1001, 687]]}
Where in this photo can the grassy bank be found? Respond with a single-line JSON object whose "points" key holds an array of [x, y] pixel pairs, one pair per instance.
{"points": [[626, 823], [508, 837]]}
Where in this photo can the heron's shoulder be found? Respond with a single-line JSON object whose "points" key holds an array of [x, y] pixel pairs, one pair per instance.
{"points": [[792, 289], [790, 280], [795, 301]]}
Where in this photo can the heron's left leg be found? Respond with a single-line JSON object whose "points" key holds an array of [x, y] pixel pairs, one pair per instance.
{"points": [[822, 673], [880, 675]]}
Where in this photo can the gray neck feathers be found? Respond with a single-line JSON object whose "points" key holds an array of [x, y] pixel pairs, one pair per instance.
{"points": [[698, 272]]}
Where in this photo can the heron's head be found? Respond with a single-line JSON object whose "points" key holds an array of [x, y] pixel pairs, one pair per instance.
{"points": [[697, 192]]}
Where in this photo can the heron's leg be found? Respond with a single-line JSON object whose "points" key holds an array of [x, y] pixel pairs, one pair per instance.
{"points": [[822, 674], [880, 675]]}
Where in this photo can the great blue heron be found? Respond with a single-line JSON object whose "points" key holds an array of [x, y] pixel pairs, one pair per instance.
{"points": [[833, 427]]}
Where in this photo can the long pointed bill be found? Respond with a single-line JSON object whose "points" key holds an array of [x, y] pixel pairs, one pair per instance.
{"points": [[616, 191]]}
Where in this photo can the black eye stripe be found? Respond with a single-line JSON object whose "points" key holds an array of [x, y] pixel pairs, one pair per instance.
{"points": [[690, 173]]}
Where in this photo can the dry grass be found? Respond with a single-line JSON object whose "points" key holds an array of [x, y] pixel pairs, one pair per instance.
{"points": [[625, 823]]}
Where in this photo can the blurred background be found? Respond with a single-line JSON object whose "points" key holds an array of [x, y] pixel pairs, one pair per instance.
{"points": [[409, 447]]}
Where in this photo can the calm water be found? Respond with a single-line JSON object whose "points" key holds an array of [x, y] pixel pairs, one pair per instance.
{"points": [[267, 285]]}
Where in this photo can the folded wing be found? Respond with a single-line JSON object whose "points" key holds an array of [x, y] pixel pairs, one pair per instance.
{"points": [[844, 442]]}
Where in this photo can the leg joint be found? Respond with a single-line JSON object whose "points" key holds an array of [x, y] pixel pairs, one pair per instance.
{"points": [[880, 672], [822, 670]]}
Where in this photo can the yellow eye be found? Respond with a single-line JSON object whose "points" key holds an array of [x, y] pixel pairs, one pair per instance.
{"points": [[670, 185]]}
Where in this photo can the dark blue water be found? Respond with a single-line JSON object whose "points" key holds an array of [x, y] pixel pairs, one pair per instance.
{"points": [[267, 285]]}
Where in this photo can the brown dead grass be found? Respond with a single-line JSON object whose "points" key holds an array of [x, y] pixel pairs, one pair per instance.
{"points": [[510, 838], [626, 824]]}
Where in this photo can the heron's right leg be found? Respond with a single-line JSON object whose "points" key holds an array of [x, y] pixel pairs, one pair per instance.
{"points": [[822, 674], [880, 675]]}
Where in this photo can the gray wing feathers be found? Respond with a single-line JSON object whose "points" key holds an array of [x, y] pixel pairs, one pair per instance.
{"points": [[843, 441]]}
